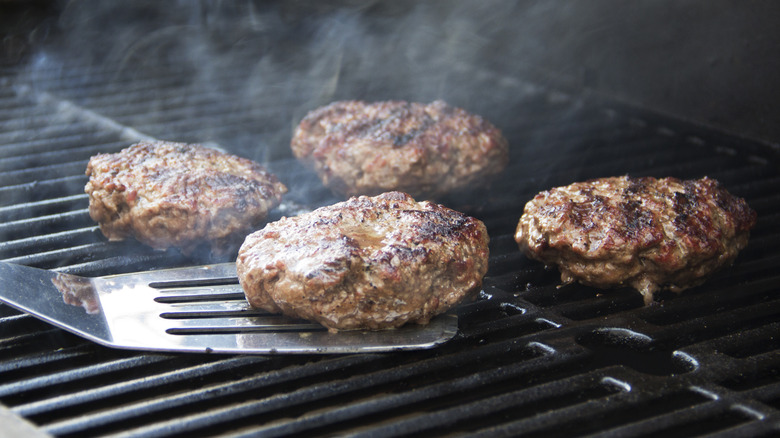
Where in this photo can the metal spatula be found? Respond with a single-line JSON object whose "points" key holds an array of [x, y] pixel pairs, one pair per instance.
{"points": [[196, 309]]}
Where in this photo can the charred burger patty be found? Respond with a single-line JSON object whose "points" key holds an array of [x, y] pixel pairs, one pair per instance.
{"points": [[179, 195], [647, 233], [360, 148], [366, 263]]}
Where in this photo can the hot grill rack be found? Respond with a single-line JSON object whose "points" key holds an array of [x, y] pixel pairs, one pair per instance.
{"points": [[531, 357]]}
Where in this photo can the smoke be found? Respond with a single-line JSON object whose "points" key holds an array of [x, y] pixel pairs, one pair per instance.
{"points": [[275, 61], [240, 75]]}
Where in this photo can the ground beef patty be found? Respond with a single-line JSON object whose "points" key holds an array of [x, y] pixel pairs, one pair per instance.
{"points": [[360, 148], [647, 233], [366, 263], [179, 195]]}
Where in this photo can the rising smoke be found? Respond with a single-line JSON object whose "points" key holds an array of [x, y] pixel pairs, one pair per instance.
{"points": [[275, 61]]}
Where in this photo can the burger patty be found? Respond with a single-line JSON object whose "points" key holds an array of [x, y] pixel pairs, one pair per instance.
{"points": [[647, 233], [360, 148], [179, 195], [365, 263]]}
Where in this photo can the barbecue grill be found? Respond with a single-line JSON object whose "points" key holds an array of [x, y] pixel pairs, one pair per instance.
{"points": [[531, 358]]}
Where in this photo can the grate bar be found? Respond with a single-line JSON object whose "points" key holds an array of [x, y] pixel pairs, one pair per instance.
{"points": [[76, 375], [133, 386], [112, 415]]}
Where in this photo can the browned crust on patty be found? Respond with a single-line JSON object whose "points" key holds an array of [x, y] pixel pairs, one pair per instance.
{"points": [[366, 263], [180, 195], [647, 233], [426, 150]]}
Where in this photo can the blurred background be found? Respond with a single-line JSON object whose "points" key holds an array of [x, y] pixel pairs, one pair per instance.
{"points": [[710, 62]]}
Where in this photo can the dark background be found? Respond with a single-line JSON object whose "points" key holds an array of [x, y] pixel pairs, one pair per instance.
{"points": [[711, 62]]}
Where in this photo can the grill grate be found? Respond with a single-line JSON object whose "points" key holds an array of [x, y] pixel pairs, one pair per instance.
{"points": [[531, 357]]}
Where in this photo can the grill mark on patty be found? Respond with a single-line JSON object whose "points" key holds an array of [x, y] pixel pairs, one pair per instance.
{"points": [[402, 139], [436, 226], [683, 205], [399, 127], [582, 213], [636, 218]]}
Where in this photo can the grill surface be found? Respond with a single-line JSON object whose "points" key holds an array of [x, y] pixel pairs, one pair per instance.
{"points": [[531, 357]]}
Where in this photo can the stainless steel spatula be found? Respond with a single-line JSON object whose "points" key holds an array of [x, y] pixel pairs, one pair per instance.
{"points": [[196, 309]]}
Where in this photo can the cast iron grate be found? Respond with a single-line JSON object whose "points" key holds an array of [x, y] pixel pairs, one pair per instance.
{"points": [[531, 357]]}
